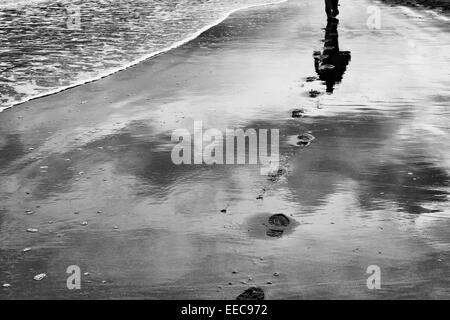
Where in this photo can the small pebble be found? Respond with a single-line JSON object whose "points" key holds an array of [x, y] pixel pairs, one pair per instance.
{"points": [[84, 223], [32, 230], [6, 285], [26, 249], [276, 274], [40, 276]]}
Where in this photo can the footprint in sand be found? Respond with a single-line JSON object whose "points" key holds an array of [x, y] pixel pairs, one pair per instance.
{"points": [[298, 113], [277, 225], [252, 293], [305, 139], [270, 226]]}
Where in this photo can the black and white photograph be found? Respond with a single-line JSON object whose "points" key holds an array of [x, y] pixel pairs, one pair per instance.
{"points": [[224, 150]]}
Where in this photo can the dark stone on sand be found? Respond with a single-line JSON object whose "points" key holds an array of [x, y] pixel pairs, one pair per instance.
{"points": [[223, 211], [252, 293], [279, 220]]}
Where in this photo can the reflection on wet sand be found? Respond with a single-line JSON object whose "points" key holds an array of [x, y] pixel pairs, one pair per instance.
{"points": [[371, 188], [331, 63]]}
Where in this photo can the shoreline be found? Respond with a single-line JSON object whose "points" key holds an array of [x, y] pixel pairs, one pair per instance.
{"points": [[422, 4], [144, 58]]}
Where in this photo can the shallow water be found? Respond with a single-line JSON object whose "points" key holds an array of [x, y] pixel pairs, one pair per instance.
{"points": [[49, 45], [371, 189]]}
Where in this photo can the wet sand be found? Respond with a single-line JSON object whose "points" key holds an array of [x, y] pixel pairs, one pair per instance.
{"points": [[371, 188], [443, 5]]}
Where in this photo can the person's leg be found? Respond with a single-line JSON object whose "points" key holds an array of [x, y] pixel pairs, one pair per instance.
{"points": [[335, 5], [329, 8]]}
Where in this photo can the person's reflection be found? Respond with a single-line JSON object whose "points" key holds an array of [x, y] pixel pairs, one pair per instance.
{"points": [[331, 63]]}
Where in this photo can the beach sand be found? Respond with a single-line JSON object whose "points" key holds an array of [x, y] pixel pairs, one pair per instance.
{"points": [[93, 164], [443, 5]]}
